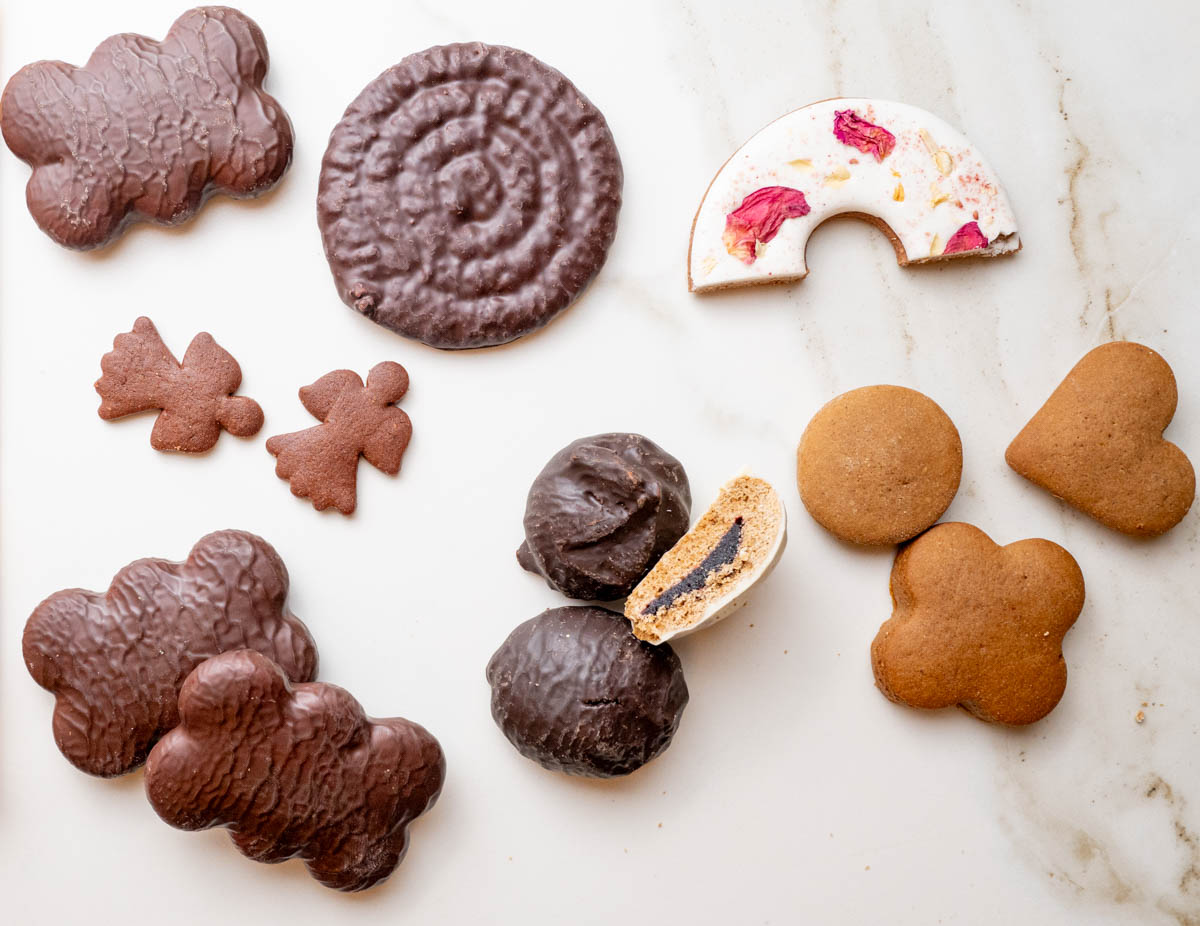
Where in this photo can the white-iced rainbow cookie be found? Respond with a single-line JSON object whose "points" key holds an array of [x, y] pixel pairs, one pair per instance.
{"points": [[891, 164]]}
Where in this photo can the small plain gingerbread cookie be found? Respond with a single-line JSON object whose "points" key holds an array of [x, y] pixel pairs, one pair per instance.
{"points": [[321, 463], [1097, 442], [195, 398], [879, 465], [978, 625]]}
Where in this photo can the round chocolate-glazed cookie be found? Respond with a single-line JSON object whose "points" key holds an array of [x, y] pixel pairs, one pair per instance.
{"points": [[601, 513], [468, 196], [576, 692]]}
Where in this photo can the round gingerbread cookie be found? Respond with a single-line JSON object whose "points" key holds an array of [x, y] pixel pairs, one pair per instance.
{"points": [[469, 194], [879, 465]]}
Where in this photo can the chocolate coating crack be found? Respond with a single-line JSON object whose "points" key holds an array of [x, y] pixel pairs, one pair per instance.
{"points": [[468, 196], [722, 554]]}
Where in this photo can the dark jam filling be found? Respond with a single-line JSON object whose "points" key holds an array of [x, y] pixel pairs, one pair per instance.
{"points": [[720, 555]]}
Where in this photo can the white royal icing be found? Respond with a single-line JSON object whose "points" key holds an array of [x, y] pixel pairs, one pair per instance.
{"points": [[932, 183]]}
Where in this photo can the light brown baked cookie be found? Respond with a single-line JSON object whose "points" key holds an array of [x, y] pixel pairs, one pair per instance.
{"points": [[978, 625], [879, 464], [1097, 442]]}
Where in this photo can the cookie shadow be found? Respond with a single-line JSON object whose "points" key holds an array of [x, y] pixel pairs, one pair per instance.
{"points": [[214, 205]]}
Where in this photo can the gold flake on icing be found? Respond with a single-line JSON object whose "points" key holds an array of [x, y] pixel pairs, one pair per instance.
{"points": [[801, 164], [710, 264], [935, 246], [838, 176], [941, 157], [898, 193]]}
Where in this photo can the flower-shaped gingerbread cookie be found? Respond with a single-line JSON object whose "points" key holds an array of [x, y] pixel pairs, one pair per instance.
{"points": [[978, 625], [293, 771], [115, 660], [147, 130]]}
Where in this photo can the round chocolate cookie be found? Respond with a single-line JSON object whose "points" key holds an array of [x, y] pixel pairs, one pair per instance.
{"points": [[879, 465], [468, 196], [576, 692], [601, 513]]}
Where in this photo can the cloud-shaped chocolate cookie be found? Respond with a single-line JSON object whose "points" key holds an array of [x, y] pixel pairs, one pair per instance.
{"points": [[147, 130], [978, 625], [115, 661], [293, 771]]}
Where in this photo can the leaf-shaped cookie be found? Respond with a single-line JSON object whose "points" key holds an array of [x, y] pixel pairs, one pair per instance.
{"points": [[1098, 442]]}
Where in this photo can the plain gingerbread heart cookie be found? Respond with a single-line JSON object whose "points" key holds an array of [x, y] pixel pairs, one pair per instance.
{"points": [[1097, 442], [978, 625], [878, 465]]}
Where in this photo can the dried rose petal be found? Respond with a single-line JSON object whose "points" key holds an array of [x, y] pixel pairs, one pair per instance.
{"points": [[758, 219], [871, 139], [967, 238]]}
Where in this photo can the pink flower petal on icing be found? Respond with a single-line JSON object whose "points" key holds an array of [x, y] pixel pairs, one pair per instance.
{"points": [[758, 219], [967, 238], [868, 138]]}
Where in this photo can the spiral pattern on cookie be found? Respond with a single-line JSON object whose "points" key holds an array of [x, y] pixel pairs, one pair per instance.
{"points": [[468, 196]]}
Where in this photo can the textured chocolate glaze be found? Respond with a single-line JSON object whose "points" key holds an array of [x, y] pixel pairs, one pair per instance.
{"points": [[115, 661], [601, 513], [293, 771], [576, 692], [147, 130], [468, 196]]}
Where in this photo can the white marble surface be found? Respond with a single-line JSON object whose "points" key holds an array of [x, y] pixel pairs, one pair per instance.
{"points": [[794, 792]]}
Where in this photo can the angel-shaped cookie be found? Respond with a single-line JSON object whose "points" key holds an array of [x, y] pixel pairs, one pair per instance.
{"points": [[196, 397], [321, 463]]}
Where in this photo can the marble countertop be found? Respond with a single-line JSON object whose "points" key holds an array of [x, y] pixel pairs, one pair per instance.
{"points": [[793, 792]]}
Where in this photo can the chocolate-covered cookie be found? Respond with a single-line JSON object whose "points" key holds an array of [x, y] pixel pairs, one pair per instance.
{"points": [[147, 130], [293, 771], [601, 513], [468, 196], [115, 661], [576, 692]]}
